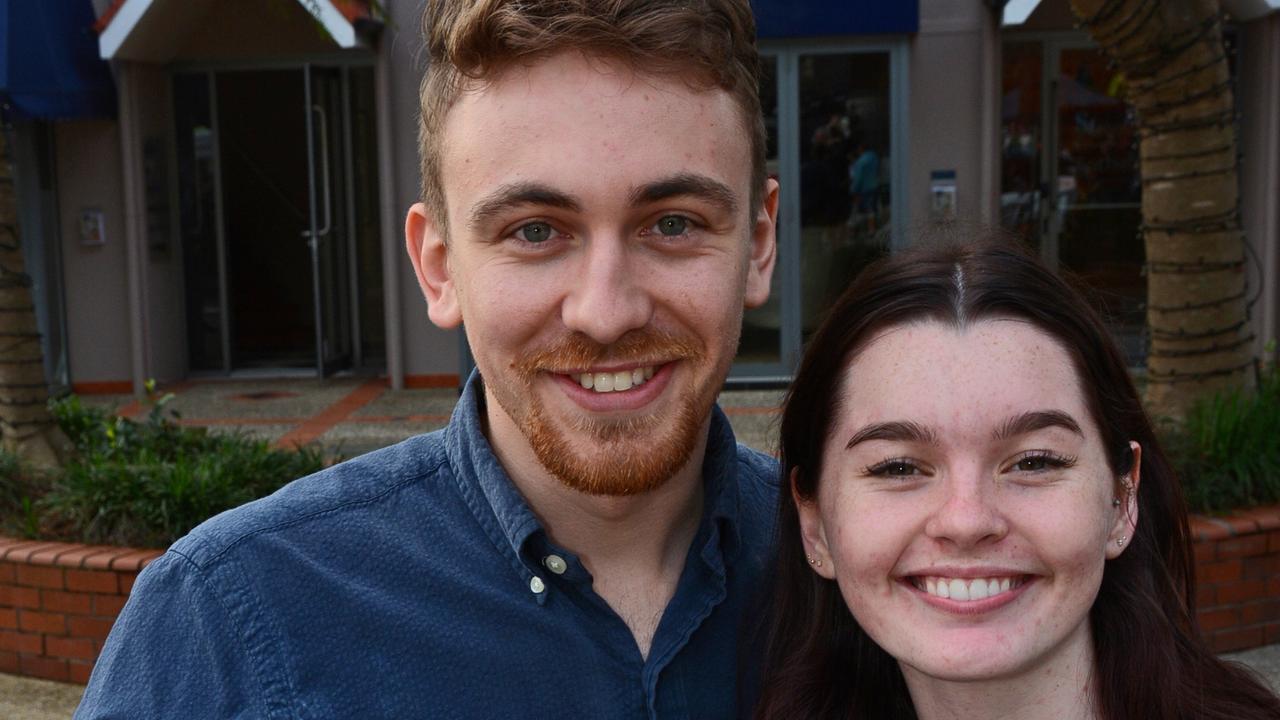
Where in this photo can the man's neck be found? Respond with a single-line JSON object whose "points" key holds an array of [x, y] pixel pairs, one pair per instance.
{"points": [[634, 546]]}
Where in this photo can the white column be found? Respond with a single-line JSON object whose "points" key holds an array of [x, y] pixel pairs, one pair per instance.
{"points": [[134, 226]]}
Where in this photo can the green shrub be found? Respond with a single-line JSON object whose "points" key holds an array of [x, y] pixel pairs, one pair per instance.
{"points": [[1227, 450], [144, 483]]}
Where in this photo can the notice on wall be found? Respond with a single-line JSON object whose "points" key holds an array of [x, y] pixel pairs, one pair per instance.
{"points": [[942, 195], [93, 227]]}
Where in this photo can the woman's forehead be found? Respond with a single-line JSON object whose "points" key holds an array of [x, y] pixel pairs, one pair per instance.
{"points": [[960, 375]]}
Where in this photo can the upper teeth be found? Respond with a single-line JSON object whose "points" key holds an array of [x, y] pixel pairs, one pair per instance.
{"points": [[614, 381], [967, 589]]}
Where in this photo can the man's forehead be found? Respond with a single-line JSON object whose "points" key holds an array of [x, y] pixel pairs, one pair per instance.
{"points": [[571, 121]]}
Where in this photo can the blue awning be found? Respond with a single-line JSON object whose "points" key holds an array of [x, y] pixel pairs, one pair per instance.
{"points": [[813, 18], [49, 64]]}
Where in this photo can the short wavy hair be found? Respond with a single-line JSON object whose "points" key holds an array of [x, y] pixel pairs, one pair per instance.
{"points": [[706, 43]]}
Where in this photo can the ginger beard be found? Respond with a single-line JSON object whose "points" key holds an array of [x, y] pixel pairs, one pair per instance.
{"points": [[625, 456]]}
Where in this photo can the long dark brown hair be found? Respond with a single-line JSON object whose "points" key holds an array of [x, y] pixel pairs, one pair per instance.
{"points": [[1151, 660]]}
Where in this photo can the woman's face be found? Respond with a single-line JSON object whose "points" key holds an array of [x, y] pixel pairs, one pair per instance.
{"points": [[965, 506]]}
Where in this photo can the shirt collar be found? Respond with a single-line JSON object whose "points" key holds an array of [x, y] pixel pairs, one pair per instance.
{"points": [[502, 510]]}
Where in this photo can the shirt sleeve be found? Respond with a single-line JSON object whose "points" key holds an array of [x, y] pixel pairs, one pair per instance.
{"points": [[176, 651]]}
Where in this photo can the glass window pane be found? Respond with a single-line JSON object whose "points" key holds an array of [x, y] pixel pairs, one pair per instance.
{"points": [[1097, 201], [1020, 113], [762, 326], [198, 219], [844, 173]]}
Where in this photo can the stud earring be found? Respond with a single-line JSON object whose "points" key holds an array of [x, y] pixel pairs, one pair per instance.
{"points": [[1120, 541], [810, 559], [1115, 502], [813, 562]]}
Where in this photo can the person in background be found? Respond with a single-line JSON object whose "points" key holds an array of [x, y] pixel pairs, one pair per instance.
{"points": [[981, 523]]}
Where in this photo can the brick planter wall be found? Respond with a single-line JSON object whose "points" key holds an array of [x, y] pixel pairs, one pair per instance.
{"points": [[57, 603], [1238, 578], [58, 600]]}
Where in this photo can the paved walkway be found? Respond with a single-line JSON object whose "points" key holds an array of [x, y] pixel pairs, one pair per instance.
{"points": [[350, 416]]}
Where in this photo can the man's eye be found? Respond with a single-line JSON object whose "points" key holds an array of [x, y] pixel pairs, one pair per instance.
{"points": [[535, 232], [672, 225]]}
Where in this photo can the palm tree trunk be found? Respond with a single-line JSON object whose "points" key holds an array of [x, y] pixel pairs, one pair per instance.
{"points": [[26, 427], [1172, 55]]}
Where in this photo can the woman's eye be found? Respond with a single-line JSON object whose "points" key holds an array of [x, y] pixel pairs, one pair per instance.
{"points": [[893, 468], [672, 225], [1041, 461], [535, 232], [1032, 464]]}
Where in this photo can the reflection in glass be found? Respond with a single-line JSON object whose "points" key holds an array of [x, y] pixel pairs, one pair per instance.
{"points": [[1097, 202], [1020, 140], [844, 173], [1076, 195], [761, 327], [198, 220]]}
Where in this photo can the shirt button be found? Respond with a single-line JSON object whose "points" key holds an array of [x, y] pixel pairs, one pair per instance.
{"points": [[555, 564], [535, 584]]}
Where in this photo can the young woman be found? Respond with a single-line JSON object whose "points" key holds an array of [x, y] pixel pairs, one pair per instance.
{"points": [[981, 523]]}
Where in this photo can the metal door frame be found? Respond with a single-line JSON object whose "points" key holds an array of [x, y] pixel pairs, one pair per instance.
{"points": [[210, 70]]}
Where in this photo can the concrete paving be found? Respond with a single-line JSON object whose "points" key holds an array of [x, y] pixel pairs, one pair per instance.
{"points": [[350, 416]]}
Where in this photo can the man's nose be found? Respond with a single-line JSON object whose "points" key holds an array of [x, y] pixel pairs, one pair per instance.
{"points": [[608, 298], [967, 512]]}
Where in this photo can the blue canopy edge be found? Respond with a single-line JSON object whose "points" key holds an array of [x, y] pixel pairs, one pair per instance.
{"points": [[49, 63]]}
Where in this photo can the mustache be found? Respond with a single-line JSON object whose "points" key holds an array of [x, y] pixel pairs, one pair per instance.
{"points": [[576, 351]]}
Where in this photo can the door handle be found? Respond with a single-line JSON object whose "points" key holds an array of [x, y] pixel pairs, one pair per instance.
{"points": [[324, 174]]}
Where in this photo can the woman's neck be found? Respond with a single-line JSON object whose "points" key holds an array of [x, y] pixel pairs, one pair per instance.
{"points": [[1061, 687]]}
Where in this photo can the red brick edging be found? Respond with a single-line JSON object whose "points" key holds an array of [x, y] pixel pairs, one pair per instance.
{"points": [[58, 600], [1238, 577], [57, 603]]}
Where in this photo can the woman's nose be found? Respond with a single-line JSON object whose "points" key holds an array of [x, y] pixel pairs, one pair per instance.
{"points": [[967, 512]]}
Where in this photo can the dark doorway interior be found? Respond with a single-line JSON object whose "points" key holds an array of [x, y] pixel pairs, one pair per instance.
{"points": [[263, 134]]}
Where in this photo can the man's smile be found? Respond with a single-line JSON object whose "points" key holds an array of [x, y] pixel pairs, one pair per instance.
{"points": [[604, 382]]}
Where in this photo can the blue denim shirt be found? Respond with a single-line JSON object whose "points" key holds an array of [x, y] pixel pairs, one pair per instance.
{"points": [[415, 582]]}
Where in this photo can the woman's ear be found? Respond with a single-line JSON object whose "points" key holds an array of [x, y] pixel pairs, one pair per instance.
{"points": [[812, 532], [1125, 506]]}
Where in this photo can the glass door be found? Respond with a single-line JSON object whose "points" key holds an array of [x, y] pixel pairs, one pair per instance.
{"points": [[328, 236], [278, 192], [1069, 180], [835, 117]]}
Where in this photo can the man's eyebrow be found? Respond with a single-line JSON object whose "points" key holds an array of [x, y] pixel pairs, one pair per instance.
{"points": [[687, 184], [901, 430], [1036, 420], [517, 194]]}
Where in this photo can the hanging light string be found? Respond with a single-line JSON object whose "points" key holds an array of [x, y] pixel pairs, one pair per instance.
{"points": [[1115, 25]]}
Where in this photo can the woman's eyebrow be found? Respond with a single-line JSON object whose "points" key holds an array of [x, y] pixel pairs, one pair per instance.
{"points": [[898, 430], [1031, 421]]}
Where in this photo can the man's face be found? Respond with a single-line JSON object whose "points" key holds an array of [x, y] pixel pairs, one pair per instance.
{"points": [[600, 251]]}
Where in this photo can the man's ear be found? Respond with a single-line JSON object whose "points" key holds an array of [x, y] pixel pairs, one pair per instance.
{"points": [[1125, 522], [430, 257], [812, 532], [764, 247]]}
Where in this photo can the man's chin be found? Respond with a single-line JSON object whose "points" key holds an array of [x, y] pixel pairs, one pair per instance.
{"points": [[620, 469], [618, 459]]}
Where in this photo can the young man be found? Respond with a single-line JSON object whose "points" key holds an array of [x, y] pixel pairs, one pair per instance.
{"points": [[585, 536]]}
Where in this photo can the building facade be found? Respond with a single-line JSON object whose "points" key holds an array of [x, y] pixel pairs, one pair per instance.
{"points": [[239, 210]]}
